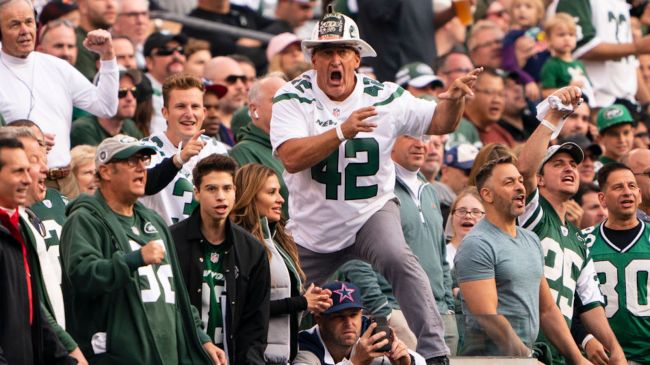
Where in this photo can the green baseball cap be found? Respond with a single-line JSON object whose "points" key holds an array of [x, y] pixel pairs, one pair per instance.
{"points": [[121, 147], [417, 74], [613, 115]]}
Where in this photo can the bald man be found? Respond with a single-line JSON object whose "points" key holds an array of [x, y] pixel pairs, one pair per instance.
{"points": [[639, 161], [226, 71]]}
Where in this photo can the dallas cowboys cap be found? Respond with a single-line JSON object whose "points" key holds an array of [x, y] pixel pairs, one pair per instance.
{"points": [[344, 296]]}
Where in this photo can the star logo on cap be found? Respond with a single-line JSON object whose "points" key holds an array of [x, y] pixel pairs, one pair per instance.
{"points": [[344, 293]]}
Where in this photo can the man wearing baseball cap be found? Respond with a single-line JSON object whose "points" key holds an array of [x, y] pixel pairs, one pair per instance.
{"points": [[420, 80], [122, 284], [616, 132], [342, 335], [333, 130], [165, 56], [553, 216]]}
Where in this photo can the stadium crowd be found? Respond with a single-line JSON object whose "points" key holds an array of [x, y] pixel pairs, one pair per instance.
{"points": [[381, 182]]}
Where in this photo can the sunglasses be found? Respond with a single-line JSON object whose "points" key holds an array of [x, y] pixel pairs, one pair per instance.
{"points": [[231, 79], [169, 51], [121, 92]]}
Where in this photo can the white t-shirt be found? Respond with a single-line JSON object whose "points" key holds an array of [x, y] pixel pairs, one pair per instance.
{"points": [[158, 122], [176, 201], [332, 200], [50, 87]]}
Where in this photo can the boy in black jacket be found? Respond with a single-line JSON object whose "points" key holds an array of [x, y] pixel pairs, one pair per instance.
{"points": [[225, 269]]}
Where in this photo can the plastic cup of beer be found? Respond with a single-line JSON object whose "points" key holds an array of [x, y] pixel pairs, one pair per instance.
{"points": [[463, 10]]}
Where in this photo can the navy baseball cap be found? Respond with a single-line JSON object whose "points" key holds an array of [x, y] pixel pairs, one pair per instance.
{"points": [[344, 296], [461, 156]]}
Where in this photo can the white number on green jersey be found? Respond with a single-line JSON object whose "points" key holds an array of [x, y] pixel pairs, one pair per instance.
{"points": [[184, 189], [608, 276], [52, 230], [220, 299], [327, 172], [564, 261], [156, 279]]}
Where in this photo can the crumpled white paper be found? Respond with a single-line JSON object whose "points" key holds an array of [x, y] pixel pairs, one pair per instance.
{"points": [[553, 102]]}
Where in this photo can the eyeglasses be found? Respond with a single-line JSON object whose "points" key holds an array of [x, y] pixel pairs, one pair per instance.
{"points": [[135, 14], [168, 51], [55, 24], [498, 13], [121, 92], [457, 70], [490, 92], [495, 42], [232, 79], [474, 213], [134, 160]]}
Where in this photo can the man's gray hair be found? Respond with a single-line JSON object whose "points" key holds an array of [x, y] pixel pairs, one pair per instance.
{"points": [[4, 3], [254, 92], [480, 26]]}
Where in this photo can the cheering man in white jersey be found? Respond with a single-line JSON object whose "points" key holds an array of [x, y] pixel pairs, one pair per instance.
{"points": [[183, 109], [334, 131]]}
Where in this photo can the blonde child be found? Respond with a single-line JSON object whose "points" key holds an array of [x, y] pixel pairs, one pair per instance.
{"points": [[524, 47], [561, 69]]}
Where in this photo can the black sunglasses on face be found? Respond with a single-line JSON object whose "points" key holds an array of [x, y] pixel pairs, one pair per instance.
{"points": [[169, 51], [231, 79], [121, 92]]}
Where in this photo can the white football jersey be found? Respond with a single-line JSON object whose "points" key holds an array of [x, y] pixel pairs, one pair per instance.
{"points": [[609, 23], [176, 201], [333, 199]]}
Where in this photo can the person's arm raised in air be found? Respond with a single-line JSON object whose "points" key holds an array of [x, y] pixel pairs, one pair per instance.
{"points": [[535, 147]]}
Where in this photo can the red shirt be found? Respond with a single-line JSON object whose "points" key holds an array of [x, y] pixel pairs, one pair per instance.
{"points": [[12, 223]]}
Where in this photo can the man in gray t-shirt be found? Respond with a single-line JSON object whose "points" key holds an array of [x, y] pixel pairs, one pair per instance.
{"points": [[500, 271]]}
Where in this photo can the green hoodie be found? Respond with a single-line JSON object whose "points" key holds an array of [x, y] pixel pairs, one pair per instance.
{"points": [[100, 288], [254, 146]]}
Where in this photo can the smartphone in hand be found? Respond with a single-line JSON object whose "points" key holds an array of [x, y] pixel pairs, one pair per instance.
{"points": [[382, 326]]}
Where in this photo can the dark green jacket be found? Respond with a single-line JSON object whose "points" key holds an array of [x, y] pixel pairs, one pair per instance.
{"points": [[423, 231], [254, 146], [87, 130], [86, 60], [101, 294]]}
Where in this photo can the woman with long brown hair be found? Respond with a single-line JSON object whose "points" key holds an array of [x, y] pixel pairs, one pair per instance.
{"points": [[258, 209]]}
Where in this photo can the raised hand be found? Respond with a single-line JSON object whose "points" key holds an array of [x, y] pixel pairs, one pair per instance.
{"points": [[357, 122], [193, 147], [100, 42], [462, 86]]}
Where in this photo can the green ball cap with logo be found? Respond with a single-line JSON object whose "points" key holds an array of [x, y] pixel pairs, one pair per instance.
{"points": [[121, 147], [613, 115]]}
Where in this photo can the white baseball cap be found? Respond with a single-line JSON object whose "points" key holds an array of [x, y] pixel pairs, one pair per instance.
{"points": [[336, 29]]}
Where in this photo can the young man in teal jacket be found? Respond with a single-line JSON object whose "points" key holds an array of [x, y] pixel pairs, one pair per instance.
{"points": [[125, 298]]}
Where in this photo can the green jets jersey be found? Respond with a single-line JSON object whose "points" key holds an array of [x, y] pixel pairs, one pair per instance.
{"points": [[51, 212], [567, 266], [214, 293], [624, 277], [156, 285]]}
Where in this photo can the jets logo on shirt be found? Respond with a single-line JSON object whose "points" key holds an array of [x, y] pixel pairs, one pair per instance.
{"points": [[149, 228]]}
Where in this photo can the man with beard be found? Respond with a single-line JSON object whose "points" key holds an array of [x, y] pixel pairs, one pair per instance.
{"points": [[500, 271], [165, 56], [620, 250], [551, 179], [92, 131], [58, 38], [94, 14], [226, 71]]}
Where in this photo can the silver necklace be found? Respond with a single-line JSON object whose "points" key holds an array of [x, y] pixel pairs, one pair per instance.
{"points": [[32, 99]]}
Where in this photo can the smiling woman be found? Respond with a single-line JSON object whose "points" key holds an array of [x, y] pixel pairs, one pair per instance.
{"points": [[259, 210]]}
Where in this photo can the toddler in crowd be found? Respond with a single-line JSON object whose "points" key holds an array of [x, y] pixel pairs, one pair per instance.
{"points": [[524, 47], [561, 69]]}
